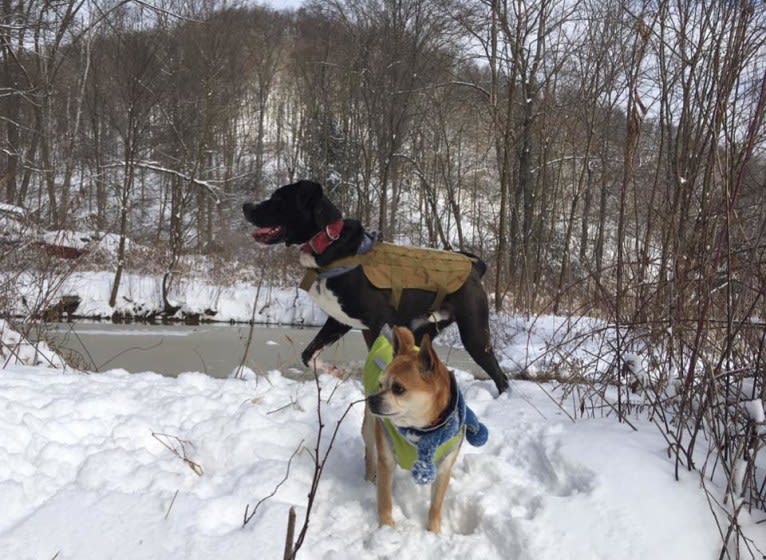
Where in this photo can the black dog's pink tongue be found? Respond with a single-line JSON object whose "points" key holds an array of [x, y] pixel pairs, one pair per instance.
{"points": [[267, 235], [262, 233]]}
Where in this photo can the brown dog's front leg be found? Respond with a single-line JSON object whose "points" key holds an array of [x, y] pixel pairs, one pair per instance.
{"points": [[370, 447], [385, 477], [439, 490]]}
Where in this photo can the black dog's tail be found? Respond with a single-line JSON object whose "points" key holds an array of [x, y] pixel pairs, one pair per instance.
{"points": [[478, 264]]}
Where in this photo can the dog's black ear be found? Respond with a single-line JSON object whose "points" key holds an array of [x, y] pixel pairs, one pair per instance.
{"points": [[426, 356], [325, 212], [312, 198], [308, 192]]}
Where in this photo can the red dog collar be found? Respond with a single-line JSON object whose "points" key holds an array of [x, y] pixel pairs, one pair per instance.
{"points": [[322, 240]]}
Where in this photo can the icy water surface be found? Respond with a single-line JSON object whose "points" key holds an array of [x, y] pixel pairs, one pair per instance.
{"points": [[214, 349]]}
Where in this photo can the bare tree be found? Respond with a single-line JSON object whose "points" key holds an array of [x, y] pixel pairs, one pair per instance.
{"points": [[136, 80], [35, 38]]}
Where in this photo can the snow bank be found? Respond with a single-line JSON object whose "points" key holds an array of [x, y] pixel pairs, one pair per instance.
{"points": [[16, 349], [141, 294], [107, 243], [83, 477]]}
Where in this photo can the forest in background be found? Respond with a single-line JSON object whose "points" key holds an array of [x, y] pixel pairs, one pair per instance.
{"points": [[597, 154], [605, 158]]}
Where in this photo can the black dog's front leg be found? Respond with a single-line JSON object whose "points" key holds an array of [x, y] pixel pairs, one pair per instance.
{"points": [[331, 331]]}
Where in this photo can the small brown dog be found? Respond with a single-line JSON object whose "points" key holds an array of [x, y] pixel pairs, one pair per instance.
{"points": [[415, 415]]}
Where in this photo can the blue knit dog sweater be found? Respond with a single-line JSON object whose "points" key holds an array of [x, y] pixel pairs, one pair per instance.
{"points": [[427, 441]]}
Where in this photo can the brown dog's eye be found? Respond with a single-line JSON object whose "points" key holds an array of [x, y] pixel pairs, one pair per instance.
{"points": [[397, 389]]}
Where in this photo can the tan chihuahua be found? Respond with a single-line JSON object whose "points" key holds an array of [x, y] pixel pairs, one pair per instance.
{"points": [[415, 415]]}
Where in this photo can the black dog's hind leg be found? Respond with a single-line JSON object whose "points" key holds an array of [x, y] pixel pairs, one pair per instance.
{"points": [[472, 320], [478, 344], [330, 332]]}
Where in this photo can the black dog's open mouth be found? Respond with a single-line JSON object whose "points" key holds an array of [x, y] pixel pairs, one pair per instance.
{"points": [[268, 235]]}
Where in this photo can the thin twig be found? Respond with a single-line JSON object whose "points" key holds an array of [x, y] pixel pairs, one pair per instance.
{"points": [[173, 501], [249, 515], [196, 467], [289, 554], [319, 460], [250, 330]]}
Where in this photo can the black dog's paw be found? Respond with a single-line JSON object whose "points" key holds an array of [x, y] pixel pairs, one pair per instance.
{"points": [[306, 356]]}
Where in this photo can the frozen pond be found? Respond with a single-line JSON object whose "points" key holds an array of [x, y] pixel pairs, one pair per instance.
{"points": [[211, 348]]}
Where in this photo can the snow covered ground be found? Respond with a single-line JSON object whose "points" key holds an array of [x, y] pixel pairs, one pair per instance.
{"points": [[83, 477], [142, 466]]}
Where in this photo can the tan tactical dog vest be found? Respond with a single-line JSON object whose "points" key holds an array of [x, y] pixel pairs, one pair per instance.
{"points": [[397, 268]]}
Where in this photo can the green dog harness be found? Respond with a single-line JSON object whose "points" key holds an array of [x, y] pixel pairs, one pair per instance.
{"points": [[406, 441]]}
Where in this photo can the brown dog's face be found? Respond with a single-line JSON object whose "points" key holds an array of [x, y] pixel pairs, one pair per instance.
{"points": [[414, 388]]}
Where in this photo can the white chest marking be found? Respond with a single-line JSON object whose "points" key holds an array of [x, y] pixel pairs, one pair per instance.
{"points": [[307, 260], [327, 301]]}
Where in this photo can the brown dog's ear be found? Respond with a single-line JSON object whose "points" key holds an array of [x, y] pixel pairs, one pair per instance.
{"points": [[427, 356], [403, 340]]}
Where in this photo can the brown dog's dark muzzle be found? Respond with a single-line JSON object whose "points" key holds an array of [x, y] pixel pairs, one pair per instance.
{"points": [[376, 404]]}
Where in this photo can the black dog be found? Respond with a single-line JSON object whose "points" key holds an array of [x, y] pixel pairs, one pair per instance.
{"points": [[300, 214]]}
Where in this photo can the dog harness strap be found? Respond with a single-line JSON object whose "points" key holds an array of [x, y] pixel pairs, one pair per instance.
{"points": [[340, 266], [396, 291], [440, 295], [309, 278]]}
